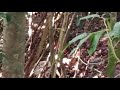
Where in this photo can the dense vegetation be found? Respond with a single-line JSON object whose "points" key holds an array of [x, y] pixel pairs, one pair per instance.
{"points": [[60, 44]]}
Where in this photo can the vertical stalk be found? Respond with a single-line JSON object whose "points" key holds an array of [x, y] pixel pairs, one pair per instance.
{"points": [[61, 42]]}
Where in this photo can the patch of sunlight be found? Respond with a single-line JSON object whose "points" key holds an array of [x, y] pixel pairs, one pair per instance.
{"points": [[56, 56], [45, 21], [30, 21], [66, 61], [0, 75], [43, 27]]}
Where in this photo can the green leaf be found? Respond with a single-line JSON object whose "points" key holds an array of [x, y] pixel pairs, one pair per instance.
{"points": [[81, 36], [80, 43], [77, 22], [86, 17], [94, 42], [89, 16], [116, 30]]}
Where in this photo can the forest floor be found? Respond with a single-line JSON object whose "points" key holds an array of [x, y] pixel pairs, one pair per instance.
{"points": [[93, 66]]}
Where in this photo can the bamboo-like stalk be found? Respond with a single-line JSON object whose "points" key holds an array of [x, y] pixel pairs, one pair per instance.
{"points": [[61, 42], [51, 42], [51, 36]]}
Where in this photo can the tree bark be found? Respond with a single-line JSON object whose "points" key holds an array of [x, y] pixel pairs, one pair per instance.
{"points": [[14, 45]]}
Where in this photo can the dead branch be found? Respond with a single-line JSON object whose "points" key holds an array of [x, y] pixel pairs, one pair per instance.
{"points": [[32, 62]]}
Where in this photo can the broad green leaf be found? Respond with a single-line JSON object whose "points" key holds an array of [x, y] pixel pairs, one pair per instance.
{"points": [[78, 22], [81, 36], [94, 42], [116, 30], [80, 43], [86, 17], [92, 36], [89, 16]]}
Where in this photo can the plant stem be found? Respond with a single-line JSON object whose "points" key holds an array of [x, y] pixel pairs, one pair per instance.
{"points": [[110, 40], [112, 48], [61, 42]]}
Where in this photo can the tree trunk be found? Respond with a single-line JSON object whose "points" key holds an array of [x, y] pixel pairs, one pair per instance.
{"points": [[14, 45]]}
